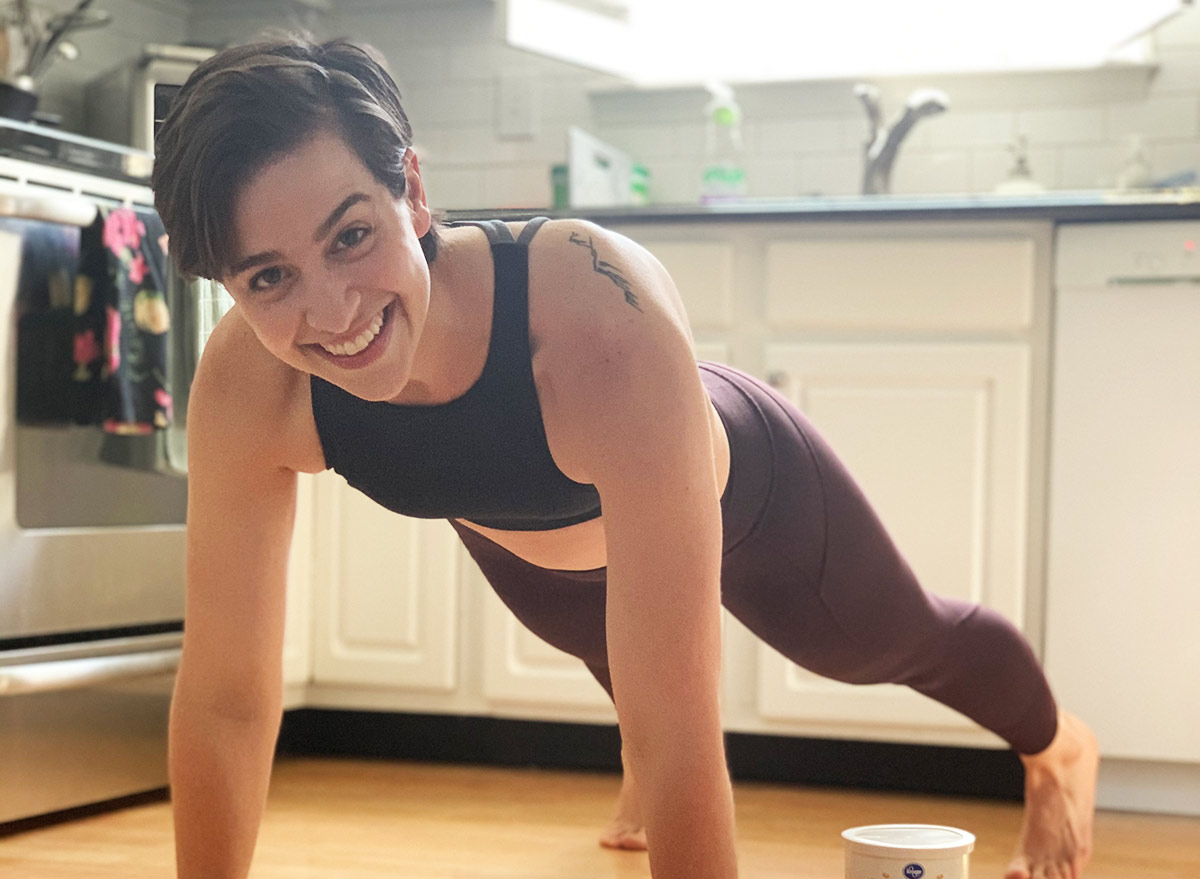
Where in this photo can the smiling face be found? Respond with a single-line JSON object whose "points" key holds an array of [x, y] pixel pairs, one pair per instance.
{"points": [[328, 269]]}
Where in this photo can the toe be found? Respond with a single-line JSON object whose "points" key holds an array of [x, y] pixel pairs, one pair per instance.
{"points": [[1018, 868]]}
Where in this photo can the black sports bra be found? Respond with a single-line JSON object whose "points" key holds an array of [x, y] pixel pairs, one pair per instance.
{"points": [[482, 456]]}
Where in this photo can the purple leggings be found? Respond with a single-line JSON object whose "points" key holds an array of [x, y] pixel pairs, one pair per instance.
{"points": [[809, 568]]}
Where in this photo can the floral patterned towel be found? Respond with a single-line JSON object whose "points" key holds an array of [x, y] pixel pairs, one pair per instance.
{"points": [[123, 323]]}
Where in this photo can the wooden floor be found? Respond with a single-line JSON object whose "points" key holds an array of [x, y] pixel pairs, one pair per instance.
{"points": [[356, 819]]}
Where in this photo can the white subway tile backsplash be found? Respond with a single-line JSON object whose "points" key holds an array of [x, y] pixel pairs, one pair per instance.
{"points": [[518, 186], [1171, 157], [454, 188], [476, 146], [797, 100], [938, 171], [987, 168], [772, 176], [487, 61], [232, 25], [830, 175], [1062, 125], [966, 130], [675, 182], [1091, 167], [794, 136], [447, 22], [481, 146], [414, 67], [430, 145], [145, 21], [691, 139], [565, 102], [643, 142], [650, 106], [453, 105], [854, 131], [1174, 116]]}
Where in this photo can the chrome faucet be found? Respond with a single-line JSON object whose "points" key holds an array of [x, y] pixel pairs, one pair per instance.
{"points": [[884, 142]]}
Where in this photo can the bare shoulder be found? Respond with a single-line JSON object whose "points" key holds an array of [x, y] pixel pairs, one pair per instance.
{"points": [[609, 335], [252, 407], [580, 268]]}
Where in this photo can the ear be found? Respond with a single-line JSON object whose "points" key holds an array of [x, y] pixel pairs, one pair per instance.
{"points": [[418, 203]]}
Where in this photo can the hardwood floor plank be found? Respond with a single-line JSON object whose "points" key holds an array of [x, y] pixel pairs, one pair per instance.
{"points": [[363, 819]]}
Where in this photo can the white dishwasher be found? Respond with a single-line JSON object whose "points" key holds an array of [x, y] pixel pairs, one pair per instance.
{"points": [[1123, 567]]}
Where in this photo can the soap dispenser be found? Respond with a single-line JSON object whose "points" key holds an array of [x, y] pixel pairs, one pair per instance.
{"points": [[1135, 173], [1019, 181]]}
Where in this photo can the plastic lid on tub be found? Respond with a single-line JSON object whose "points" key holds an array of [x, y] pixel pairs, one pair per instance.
{"points": [[909, 837]]}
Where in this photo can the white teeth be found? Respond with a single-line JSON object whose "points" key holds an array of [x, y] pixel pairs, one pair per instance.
{"points": [[345, 349]]}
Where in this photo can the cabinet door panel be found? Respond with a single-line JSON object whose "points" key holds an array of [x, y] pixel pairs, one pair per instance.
{"points": [[937, 436], [387, 603]]}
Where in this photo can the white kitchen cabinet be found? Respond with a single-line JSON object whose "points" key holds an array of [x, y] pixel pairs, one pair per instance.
{"points": [[938, 438], [919, 351], [385, 595]]}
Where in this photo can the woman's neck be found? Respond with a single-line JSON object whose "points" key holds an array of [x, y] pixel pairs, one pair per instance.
{"points": [[453, 344]]}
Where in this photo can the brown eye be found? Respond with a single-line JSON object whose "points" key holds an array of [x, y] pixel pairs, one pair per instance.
{"points": [[352, 237], [267, 278]]}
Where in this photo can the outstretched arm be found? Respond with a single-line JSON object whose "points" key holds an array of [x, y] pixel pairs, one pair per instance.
{"points": [[628, 411], [228, 694]]}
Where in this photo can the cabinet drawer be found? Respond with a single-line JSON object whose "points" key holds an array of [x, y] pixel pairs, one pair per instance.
{"points": [[891, 283]]}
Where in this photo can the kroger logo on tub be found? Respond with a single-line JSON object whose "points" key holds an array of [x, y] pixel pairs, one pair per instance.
{"points": [[907, 851]]}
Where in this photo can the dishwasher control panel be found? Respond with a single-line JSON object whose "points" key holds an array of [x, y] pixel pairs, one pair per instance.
{"points": [[1111, 254]]}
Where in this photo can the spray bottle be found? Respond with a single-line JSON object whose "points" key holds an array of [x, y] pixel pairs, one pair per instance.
{"points": [[724, 178]]}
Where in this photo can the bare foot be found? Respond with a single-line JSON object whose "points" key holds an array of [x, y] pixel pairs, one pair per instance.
{"points": [[625, 830], [1060, 790]]}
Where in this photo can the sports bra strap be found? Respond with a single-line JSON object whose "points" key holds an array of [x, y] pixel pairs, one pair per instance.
{"points": [[530, 230], [497, 231]]}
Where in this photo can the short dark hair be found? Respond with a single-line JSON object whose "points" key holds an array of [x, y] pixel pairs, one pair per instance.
{"points": [[251, 104]]}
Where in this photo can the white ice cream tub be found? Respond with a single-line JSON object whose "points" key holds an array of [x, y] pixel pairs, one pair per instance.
{"points": [[907, 851]]}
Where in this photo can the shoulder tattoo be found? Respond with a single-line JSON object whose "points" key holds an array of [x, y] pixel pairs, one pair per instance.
{"points": [[607, 269]]}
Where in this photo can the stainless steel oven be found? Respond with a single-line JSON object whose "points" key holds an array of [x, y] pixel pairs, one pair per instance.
{"points": [[91, 528]]}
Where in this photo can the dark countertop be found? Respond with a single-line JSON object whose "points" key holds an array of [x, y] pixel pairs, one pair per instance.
{"points": [[1057, 206]]}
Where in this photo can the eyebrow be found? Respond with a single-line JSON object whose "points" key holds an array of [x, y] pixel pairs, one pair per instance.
{"points": [[322, 230], [336, 214]]}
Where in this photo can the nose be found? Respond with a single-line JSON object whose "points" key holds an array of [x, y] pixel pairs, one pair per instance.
{"points": [[330, 305]]}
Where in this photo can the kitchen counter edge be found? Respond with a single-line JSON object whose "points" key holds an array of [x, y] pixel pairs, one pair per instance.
{"points": [[1082, 207]]}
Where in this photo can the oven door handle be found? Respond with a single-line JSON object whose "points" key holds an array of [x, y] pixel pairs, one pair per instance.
{"points": [[19, 203], [75, 674]]}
